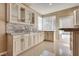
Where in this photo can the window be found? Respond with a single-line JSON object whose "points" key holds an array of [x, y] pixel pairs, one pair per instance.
{"points": [[49, 23], [39, 23]]}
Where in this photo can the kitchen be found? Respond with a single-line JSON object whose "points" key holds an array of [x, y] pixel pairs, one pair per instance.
{"points": [[23, 28]]}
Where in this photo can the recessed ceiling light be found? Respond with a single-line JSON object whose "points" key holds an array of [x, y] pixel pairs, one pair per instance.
{"points": [[50, 4]]}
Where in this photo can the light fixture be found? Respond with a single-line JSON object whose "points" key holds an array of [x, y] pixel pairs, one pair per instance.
{"points": [[50, 4]]}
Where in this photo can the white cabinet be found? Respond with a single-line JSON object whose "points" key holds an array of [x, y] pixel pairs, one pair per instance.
{"points": [[18, 13], [29, 41], [38, 37], [34, 39], [19, 43], [22, 13], [41, 37], [76, 17], [17, 46], [66, 22], [22, 39], [13, 13], [27, 16], [26, 38], [70, 21]]}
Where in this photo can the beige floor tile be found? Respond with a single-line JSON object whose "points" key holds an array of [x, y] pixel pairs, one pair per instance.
{"points": [[48, 49]]}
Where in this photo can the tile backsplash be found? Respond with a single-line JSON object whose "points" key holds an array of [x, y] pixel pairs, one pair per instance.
{"points": [[20, 28], [17, 28]]}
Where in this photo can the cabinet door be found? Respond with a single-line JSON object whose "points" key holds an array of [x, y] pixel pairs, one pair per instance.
{"points": [[49, 36], [22, 10], [22, 43], [42, 36], [39, 38], [34, 40], [76, 17], [66, 22], [14, 46], [26, 42], [32, 20], [17, 46], [13, 12], [27, 17], [29, 42]]}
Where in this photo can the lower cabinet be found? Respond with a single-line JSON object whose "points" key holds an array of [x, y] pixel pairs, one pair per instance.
{"points": [[32, 39], [16, 46], [26, 38], [49, 36], [19, 43]]}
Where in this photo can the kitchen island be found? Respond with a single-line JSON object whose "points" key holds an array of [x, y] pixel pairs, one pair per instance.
{"points": [[75, 37]]}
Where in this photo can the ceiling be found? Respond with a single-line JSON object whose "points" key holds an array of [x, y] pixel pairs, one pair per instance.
{"points": [[45, 8]]}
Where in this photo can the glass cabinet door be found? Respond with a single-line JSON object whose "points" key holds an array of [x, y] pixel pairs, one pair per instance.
{"points": [[13, 12], [22, 14]]}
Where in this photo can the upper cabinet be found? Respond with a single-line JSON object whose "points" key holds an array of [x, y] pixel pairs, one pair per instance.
{"points": [[19, 13], [76, 17], [22, 13], [70, 21], [14, 12], [33, 18], [66, 21], [27, 16]]}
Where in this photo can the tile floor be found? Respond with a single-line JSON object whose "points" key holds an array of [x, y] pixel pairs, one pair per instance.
{"points": [[49, 49]]}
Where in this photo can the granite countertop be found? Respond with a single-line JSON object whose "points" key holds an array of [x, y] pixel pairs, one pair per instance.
{"points": [[14, 34], [69, 29]]}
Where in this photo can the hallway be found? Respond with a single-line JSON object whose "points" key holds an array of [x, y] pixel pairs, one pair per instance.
{"points": [[48, 49]]}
